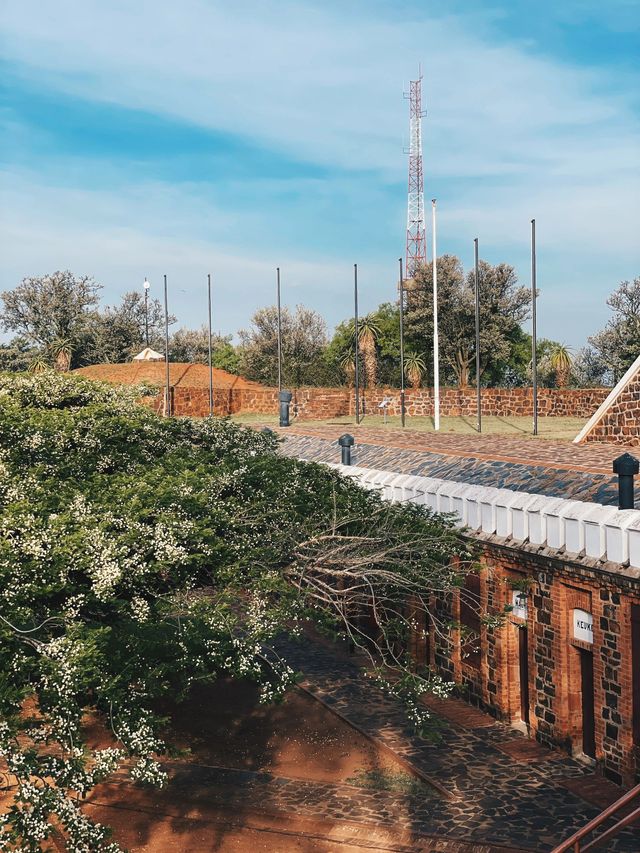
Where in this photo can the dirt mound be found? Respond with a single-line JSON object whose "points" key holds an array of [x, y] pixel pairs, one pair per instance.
{"points": [[180, 374]]}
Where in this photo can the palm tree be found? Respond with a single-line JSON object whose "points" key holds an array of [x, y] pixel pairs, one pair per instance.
{"points": [[61, 352], [348, 364], [368, 334], [38, 365], [414, 368], [561, 361]]}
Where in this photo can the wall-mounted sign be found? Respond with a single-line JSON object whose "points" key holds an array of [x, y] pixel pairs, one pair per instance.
{"points": [[519, 604], [582, 626]]}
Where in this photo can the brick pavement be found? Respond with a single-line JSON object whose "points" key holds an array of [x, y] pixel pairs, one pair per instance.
{"points": [[496, 798], [594, 458], [346, 816], [460, 461]]}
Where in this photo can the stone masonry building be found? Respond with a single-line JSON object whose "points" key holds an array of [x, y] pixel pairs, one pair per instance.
{"points": [[617, 419], [565, 665]]}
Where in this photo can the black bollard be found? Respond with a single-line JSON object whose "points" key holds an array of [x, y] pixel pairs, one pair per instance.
{"points": [[346, 442], [626, 467], [285, 399]]}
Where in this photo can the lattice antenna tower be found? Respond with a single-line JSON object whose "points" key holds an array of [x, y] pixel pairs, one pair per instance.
{"points": [[416, 232]]}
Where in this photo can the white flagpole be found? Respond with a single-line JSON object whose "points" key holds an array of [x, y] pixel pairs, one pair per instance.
{"points": [[436, 347]]}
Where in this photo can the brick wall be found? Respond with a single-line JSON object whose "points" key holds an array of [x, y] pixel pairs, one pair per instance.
{"points": [[552, 402], [322, 403], [555, 710], [194, 402], [620, 424]]}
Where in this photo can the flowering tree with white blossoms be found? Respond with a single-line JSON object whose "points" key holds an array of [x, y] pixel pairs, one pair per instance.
{"points": [[139, 555]]}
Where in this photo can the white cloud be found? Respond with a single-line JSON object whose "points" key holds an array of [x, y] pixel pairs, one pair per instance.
{"points": [[320, 83], [509, 135], [126, 237]]}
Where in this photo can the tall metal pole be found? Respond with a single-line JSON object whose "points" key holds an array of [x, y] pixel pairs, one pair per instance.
{"points": [[534, 331], [477, 289], [279, 332], [210, 354], [356, 377], [146, 311], [167, 390], [402, 409], [436, 341]]}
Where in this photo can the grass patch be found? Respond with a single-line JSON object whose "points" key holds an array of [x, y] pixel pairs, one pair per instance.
{"points": [[559, 429], [387, 780]]}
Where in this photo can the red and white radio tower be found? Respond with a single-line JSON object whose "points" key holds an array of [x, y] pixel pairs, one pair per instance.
{"points": [[416, 234]]}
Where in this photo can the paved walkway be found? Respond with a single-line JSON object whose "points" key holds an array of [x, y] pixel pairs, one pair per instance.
{"points": [[202, 805], [542, 467], [592, 458], [495, 798]]}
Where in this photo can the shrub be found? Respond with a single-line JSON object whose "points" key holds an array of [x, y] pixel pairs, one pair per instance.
{"points": [[140, 554]]}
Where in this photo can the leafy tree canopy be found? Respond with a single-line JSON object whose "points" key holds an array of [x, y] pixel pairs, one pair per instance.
{"points": [[503, 306], [140, 554], [193, 345], [115, 334], [50, 309], [304, 341], [387, 344], [618, 345]]}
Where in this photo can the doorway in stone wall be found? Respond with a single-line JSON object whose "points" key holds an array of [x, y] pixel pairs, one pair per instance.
{"points": [[587, 701], [523, 672], [635, 678]]}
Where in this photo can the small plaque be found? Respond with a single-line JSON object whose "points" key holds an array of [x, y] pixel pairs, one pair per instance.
{"points": [[519, 604], [582, 626]]}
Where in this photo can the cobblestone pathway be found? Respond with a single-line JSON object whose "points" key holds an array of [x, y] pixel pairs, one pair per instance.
{"points": [[555, 454], [348, 816], [538, 475], [234, 789], [495, 798]]}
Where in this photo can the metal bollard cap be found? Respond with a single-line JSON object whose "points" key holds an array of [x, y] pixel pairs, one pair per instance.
{"points": [[626, 465], [346, 440]]}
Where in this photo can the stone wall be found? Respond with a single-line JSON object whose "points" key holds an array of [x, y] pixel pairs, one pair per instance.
{"points": [[620, 424], [555, 707], [504, 402], [322, 403], [194, 402]]}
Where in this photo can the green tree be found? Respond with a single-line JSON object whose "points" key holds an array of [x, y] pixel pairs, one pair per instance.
{"points": [[304, 342], [17, 354], [117, 333], [590, 370], [561, 361], [368, 334], [48, 309], [61, 352], [387, 346], [141, 555], [618, 344], [347, 362], [414, 368], [192, 345], [503, 306]]}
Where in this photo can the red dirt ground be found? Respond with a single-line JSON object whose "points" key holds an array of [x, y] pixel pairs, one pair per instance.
{"points": [[180, 374], [222, 725]]}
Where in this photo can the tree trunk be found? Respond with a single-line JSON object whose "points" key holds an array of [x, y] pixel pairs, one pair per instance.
{"points": [[562, 377], [63, 362], [370, 362], [461, 368]]}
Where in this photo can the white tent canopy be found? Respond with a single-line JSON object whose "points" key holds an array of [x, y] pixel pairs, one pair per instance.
{"points": [[148, 354]]}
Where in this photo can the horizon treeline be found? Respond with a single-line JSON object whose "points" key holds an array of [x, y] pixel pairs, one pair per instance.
{"points": [[58, 322]]}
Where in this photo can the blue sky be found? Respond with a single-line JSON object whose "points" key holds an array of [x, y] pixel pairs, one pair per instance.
{"points": [[147, 136]]}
